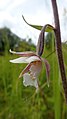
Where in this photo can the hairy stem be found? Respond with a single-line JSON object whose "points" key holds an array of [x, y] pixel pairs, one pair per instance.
{"points": [[59, 47]]}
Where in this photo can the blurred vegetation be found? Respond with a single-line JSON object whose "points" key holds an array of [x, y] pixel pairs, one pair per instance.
{"points": [[19, 102], [9, 40]]}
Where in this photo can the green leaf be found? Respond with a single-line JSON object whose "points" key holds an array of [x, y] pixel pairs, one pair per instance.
{"points": [[56, 84], [49, 28]]}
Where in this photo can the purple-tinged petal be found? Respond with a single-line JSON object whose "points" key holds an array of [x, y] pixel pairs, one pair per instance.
{"points": [[33, 68], [25, 70], [36, 68], [24, 54]]}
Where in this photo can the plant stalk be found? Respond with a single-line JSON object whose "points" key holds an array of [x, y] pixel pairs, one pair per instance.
{"points": [[59, 47]]}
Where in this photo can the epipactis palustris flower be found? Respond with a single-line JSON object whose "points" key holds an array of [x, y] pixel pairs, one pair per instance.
{"points": [[32, 70]]}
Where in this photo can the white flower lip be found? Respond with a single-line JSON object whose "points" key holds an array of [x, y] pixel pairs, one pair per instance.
{"points": [[27, 81]]}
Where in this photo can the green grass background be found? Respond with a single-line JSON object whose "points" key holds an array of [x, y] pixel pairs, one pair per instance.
{"points": [[19, 102]]}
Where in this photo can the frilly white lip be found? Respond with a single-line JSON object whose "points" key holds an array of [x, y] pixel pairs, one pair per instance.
{"points": [[28, 81]]}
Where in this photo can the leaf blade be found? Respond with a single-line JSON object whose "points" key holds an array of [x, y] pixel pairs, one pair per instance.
{"points": [[49, 28]]}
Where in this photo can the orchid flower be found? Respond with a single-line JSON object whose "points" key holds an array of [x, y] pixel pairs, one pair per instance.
{"points": [[33, 69]]}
